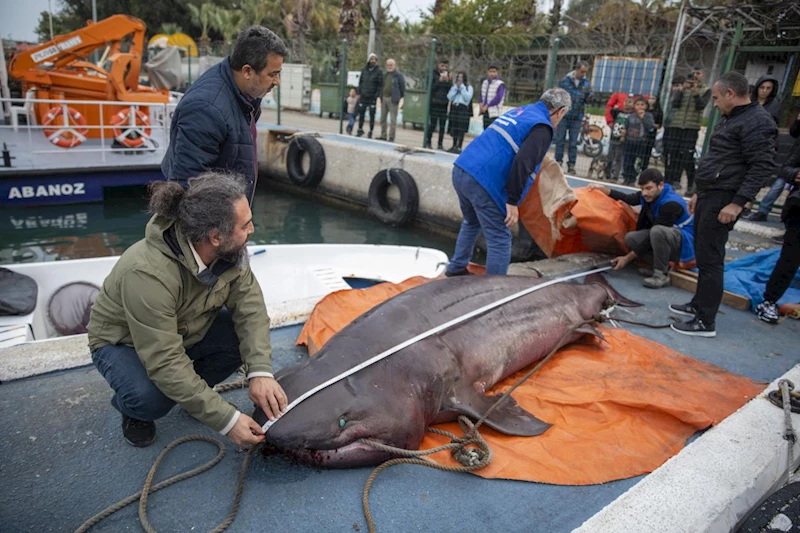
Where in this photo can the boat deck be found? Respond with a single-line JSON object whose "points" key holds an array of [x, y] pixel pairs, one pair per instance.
{"points": [[63, 459]]}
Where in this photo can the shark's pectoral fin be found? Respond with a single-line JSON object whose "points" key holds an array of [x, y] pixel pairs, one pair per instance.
{"points": [[590, 330], [508, 417]]}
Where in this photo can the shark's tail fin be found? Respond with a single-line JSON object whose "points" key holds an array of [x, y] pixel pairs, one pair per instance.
{"points": [[618, 299]]}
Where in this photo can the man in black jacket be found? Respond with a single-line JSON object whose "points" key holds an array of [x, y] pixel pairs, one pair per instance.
{"points": [[442, 81], [738, 163], [369, 88], [214, 125]]}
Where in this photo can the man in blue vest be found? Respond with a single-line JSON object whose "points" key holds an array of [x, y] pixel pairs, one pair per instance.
{"points": [[493, 173], [664, 231]]}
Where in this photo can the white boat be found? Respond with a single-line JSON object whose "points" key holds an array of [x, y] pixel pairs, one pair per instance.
{"points": [[293, 278]]}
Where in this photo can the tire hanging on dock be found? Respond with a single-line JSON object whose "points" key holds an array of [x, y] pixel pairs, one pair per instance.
{"points": [[294, 161], [394, 214]]}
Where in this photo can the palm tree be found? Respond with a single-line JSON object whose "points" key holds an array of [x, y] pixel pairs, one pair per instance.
{"points": [[228, 22], [203, 16]]}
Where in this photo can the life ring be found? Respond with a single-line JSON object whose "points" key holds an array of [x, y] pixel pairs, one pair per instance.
{"points": [[131, 135], [294, 161], [393, 213], [66, 135]]}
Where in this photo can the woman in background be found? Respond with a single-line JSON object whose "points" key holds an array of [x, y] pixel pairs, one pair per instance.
{"points": [[460, 96]]}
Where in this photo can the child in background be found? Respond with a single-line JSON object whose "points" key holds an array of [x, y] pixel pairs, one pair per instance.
{"points": [[352, 100], [638, 130], [618, 131]]}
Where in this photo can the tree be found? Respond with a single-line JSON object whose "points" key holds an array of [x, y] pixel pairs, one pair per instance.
{"points": [[555, 21], [203, 17], [483, 17], [228, 22], [349, 18]]}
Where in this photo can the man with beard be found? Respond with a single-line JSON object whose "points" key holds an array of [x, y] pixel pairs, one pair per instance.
{"points": [[214, 125], [181, 311]]}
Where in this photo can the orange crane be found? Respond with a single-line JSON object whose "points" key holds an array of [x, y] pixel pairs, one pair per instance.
{"points": [[60, 70]]}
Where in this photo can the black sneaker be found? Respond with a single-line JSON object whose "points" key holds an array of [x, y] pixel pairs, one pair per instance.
{"points": [[756, 217], [683, 309], [570, 169], [768, 312], [139, 433], [360, 133], [695, 327], [462, 272]]}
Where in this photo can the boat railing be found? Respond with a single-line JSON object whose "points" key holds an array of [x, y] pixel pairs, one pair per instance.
{"points": [[135, 130]]}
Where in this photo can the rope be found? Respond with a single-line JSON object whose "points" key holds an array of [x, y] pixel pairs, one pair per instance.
{"points": [[470, 458], [789, 435], [148, 489], [653, 326]]}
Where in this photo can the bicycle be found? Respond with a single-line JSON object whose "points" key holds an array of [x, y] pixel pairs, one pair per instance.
{"points": [[591, 138]]}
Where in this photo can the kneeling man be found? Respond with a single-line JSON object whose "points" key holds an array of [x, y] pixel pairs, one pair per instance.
{"points": [[181, 311], [664, 231]]}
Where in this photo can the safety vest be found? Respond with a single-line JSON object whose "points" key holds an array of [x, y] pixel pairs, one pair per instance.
{"points": [[489, 157], [685, 222]]}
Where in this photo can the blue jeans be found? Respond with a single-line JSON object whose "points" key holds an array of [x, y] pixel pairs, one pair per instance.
{"points": [[351, 120], [573, 125], [772, 195], [480, 213], [215, 358]]}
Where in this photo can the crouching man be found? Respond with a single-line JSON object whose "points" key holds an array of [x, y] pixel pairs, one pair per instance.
{"points": [[181, 311], [664, 230]]}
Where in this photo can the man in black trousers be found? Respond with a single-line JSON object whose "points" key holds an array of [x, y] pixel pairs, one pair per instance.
{"points": [[738, 163]]}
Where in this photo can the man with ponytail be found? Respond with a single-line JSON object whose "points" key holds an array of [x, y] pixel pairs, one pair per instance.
{"points": [[181, 311]]}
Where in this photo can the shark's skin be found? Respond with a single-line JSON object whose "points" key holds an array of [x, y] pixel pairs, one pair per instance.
{"points": [[434, 380]]}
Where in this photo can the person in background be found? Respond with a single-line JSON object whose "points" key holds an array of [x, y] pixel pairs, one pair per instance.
{"points": [[617, 138], [492, 97], [777, 187], [765, 92], [214, 124], [438, 104], [685, 118], [394, 89], [492, 174], [664, 230], [615, 102], [658, 120], [789, 260], [460, 97], [369, 89], [738, 162], [351, 102], [580, 90], [638, 130]]}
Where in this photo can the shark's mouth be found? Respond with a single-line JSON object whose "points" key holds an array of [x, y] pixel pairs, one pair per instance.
{"points": [[356, 453]]}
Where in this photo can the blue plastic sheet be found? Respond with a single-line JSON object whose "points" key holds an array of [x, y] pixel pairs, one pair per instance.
{"points": [[748, 277]]}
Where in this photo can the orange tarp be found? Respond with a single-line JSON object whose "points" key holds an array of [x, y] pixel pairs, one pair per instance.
{"points": [[619, 408]]}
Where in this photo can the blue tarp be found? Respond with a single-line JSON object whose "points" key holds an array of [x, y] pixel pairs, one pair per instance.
{"points": [[748, 277]]}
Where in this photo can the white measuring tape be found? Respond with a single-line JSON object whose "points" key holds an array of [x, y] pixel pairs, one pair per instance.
{"points": [[425, 335]]}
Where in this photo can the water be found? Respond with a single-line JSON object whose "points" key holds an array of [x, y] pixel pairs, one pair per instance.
{"points": [[95, 230]]}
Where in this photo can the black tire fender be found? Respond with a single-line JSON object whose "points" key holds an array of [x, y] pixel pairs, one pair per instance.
{"points": [[294, 161], [406, 209]]}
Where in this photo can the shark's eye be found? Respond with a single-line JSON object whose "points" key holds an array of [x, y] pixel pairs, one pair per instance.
{"points": [[342, 423]]}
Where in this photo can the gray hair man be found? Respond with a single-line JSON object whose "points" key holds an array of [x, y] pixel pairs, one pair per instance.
{"points": [[492, 172], [158, 330], [214, 125], [580, 90], [394, 89]]}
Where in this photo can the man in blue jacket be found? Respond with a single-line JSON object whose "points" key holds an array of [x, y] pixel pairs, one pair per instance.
{"points": [[664, 230], [494, 171], [580, 91], [214, 125]]}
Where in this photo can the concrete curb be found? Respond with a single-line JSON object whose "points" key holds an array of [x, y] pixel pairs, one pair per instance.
{"points": [[713, 483]]}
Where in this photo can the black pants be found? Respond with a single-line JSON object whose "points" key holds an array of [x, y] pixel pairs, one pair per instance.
{"points": [[788, 262], [438, 117], [487, 120], [679, 151], [361, 109], [710, 237]]}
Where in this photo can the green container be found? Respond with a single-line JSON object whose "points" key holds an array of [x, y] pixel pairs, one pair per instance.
{"points": [[415, 104], [330, 99]]}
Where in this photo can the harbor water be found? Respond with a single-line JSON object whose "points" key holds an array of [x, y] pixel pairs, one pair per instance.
{"points": [[79, 231]]}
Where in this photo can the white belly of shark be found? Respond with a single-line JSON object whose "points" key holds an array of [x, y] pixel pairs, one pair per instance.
{"points": [[37, 191]]}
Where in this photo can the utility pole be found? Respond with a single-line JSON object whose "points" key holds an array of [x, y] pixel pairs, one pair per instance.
{"points": [[677, 41], [373, 15], [94, 11], [50, 14]]}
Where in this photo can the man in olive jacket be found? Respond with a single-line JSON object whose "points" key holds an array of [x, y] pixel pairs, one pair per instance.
{"points": [[158, 331]]}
